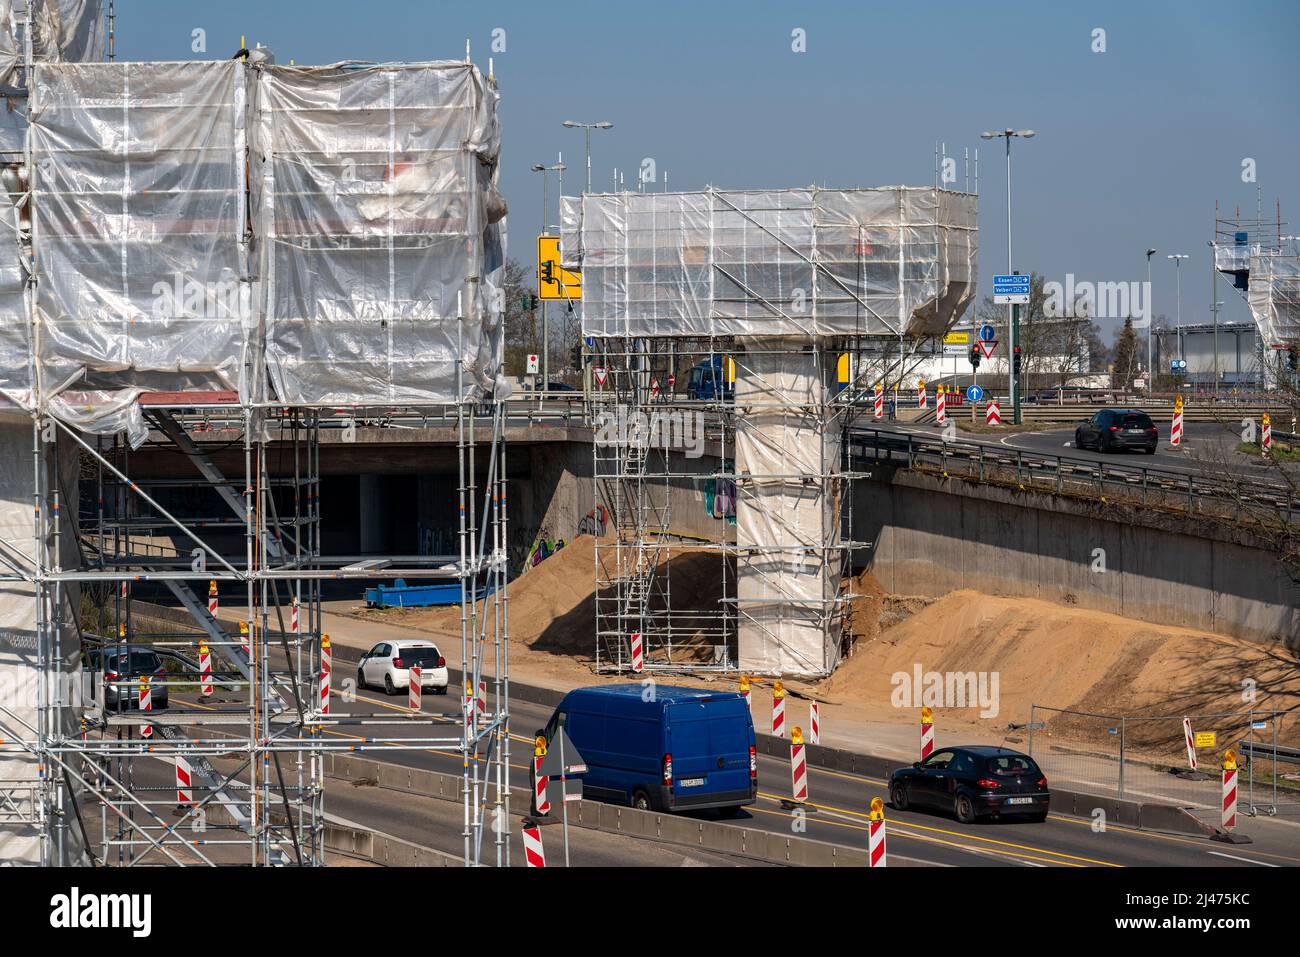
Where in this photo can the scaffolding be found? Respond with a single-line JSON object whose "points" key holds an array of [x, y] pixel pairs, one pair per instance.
{"points": [[1265, 269], [734, 338], [219, 262]]}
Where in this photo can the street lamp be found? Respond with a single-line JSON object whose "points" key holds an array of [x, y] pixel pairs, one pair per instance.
{"points": [[558, 168], [587, 128], [1178, 294], [1151, 328], [1013, 322]]}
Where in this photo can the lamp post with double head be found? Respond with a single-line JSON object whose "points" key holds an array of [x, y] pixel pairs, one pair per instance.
{"points": [[1013, 320]]}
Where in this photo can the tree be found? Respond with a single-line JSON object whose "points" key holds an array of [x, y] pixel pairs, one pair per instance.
{"points": [[1124, 369], [521, 336]]}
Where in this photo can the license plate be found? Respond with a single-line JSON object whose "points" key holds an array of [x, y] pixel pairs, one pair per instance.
{"points": [[1136, 431], [1020, 800], [692, 782]]}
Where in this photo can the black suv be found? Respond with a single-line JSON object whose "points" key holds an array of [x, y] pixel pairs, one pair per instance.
{"points": [[1113, 429]]}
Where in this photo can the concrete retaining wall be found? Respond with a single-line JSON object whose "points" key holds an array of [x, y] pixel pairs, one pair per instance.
{"points": [[934, 535]]}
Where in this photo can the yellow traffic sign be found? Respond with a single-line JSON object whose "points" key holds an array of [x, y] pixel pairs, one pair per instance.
{"points": [[957, 339], [554, 282], [1206, 739]]}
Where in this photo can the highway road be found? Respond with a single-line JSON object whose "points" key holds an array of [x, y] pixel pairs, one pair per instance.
{"points": [[841, 801], [1208, 448]]}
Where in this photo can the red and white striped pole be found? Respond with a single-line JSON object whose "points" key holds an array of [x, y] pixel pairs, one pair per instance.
{"points": [[413, 688], [638, 659], [243, 640], [921, 394], [469, 704], [814, 723], [534, 856], [1176, 428], [1191, 743], [880, 400], [1229, 789], [293, 616], [146, 704], [798, 767], [927, 732], [941, 405], [205, 670], [1266, 441], [993, 413], [540, 780], [184, 791], [481, 711], [326, 669], [212, 598], [876, 834], [778, 710]]}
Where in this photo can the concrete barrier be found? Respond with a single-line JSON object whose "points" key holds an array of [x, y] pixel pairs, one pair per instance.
{"points": [[715, 836]]}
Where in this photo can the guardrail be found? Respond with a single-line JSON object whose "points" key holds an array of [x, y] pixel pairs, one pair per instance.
{"points": [[1224, 493]]}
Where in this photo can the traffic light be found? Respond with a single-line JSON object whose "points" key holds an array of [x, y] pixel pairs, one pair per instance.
{"points": [[1015, 360], [975, 357], [577, 356], [546, 272], [530, 302]]}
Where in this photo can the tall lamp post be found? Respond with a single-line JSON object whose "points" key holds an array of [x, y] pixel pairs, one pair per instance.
{"points": [[1178, 298], [587, 128], [1151, 329], [1013, 320], [558, 168]]}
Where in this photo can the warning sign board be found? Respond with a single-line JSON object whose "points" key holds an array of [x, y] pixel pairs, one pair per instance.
{"points": [[554, 282]]}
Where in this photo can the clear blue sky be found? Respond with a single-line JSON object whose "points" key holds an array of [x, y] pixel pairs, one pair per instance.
{"points": [[1135, 144]]}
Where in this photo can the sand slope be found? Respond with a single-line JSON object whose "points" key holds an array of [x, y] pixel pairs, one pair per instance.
{"points": [[1072, 658]]}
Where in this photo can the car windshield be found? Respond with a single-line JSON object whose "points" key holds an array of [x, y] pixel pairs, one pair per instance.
{"points": [[428, 655], [141, 662], [1135, 420], [1012, 765]]}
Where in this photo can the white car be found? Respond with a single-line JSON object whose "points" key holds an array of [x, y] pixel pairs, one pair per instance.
{"points": [[388, 665]]}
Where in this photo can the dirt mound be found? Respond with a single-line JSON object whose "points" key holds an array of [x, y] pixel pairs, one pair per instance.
{"points": [[1071, 658], [553, 604]]}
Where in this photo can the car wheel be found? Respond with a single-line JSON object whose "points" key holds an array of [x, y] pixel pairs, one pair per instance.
{"points": [[898, 797], [1038, 818], [1151, 451], [1078, 440], [389, 688], [641, 801], [964, 808], [361, 680]]}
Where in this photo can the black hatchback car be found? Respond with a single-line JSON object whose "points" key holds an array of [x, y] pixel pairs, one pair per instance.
{"points": [[972, 782], [1114, 429]]}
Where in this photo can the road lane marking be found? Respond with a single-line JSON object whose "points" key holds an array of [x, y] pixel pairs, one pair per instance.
{"points": [[1246, 859], [961, 835]]}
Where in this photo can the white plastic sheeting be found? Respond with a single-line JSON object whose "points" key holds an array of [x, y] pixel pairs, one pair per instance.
{"points": [[810, 262], [789, 563], [22, 681], [138, 224], [1274, 296], [64, 30], [380, 225]]}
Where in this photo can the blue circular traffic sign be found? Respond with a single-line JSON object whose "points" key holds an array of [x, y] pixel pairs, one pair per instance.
{"points": [[974, 393], [987, 332]]}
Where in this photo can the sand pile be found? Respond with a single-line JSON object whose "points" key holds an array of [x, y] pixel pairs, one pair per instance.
{"points": [[553, 604], [1072, 658]]}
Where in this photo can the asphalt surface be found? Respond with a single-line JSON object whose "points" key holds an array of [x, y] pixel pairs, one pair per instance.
{"points": [[841, 803], [1207, 448]]}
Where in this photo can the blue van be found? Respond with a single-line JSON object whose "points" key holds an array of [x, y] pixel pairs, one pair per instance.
{"points": [[683, 750]]}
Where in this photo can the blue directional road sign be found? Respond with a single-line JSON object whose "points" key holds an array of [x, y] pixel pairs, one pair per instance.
{"points": [[1012, 290], [974, 393], [987, 333]]}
